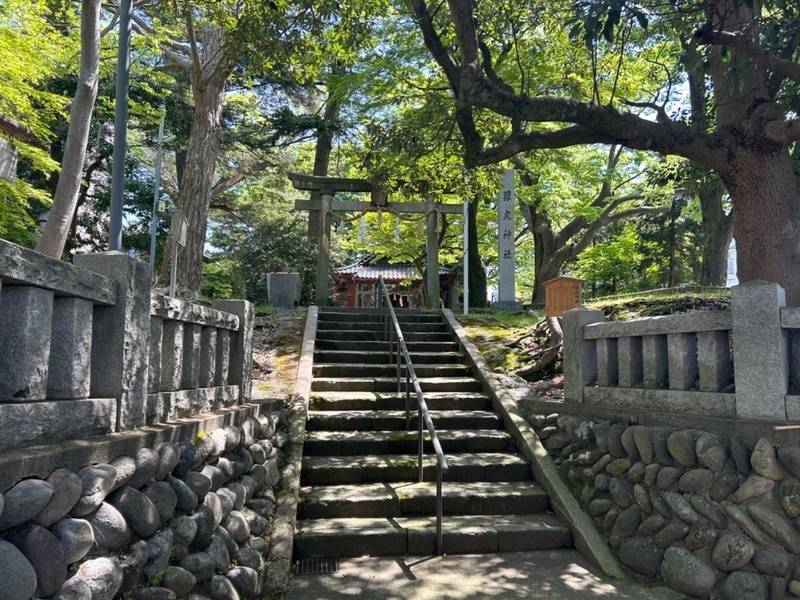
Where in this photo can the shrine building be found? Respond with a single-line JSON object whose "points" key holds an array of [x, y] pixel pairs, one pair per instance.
{"points": [[355, 284]]}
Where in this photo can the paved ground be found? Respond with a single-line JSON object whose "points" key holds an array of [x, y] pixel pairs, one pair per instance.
{"points": [[543, 574]]}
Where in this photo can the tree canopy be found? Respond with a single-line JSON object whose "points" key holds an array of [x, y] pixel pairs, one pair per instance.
{"points": [[644, 134]]}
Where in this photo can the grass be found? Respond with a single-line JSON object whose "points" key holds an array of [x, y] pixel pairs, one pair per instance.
{"points": [[277, 348], [491, 330], [647, 305]]}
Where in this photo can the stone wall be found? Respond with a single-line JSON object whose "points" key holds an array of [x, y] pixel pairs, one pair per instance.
{"points": [[710, 518], [191, 517]]}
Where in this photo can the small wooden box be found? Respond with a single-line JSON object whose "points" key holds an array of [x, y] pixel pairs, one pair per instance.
{"points": [[562, 294]]}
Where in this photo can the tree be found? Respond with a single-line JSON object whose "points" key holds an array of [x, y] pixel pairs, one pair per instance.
{"points": [[706, 185], [32, 52], [62, 213], [748, 146], [251, 41], [615, 200]]}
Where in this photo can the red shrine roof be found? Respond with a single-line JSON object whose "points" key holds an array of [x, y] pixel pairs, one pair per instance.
{"points": [[389, 272]]}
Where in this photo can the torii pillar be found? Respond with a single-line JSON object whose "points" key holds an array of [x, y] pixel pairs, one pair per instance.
{"points": [[323, 249], [432, 255]]}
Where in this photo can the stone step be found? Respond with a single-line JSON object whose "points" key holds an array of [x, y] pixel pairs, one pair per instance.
{"points": [[381, 346], [388, 370], [388, 384], [395, 420], [348, 537], [344, 313], [407, 498], [379, 357], [322, 401], [375, 335], [345, 443], [377, 326], [486, 466]]}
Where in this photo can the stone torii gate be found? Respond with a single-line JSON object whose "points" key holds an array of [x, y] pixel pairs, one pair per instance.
{"points": [[327, 187]]}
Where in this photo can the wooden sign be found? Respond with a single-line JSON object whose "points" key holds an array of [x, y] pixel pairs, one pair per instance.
{"points": [[562, 294]]}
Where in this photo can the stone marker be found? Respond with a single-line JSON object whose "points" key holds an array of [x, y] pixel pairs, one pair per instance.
{"points": [[283, 289], [506, 204]]}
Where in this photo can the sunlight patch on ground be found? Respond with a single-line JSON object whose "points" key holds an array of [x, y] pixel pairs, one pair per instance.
{"points": [[541, 575]]}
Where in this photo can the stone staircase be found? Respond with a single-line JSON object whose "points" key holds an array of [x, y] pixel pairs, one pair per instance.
{"points": [[360, 495]]}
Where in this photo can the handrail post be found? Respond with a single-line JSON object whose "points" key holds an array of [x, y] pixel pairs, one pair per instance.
{"points": [[398, 370], [391, 346], [408, 398], [439, 510], [421, 443]]}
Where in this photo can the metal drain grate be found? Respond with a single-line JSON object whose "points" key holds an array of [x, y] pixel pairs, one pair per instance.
{"points": [[316, 566]]}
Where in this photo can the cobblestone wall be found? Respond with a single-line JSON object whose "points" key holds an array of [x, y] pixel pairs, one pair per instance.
{"points": [[190, 518], [711, 519]]}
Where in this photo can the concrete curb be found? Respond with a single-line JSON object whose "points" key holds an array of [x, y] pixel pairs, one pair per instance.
{"points": [[584, 533], [279, 560]]}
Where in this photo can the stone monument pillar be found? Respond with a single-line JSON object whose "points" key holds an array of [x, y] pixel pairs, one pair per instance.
{"points": [[506, 203]]}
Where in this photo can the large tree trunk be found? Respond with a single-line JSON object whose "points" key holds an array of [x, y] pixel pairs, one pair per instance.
{"points": [[322, 159], [476, 278], [717, 226], [197, 180], [59, 219], [717, 233], [547, 270], [764, 190], [545, 263]]}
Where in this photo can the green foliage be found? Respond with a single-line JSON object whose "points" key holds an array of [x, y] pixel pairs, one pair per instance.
{"points": [[16, 222], [396, 127], [616, 261], [260, 235], [33, 50], [222, 278]]}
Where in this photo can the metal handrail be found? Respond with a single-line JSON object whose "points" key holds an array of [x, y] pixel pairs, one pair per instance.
{"points": [[394, 335]]}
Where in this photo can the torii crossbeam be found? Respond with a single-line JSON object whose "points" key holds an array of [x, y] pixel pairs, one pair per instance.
{"points": [[327, 187]]}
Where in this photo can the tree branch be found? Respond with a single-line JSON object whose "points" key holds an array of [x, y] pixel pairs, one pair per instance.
{"points": [[598, 124], [745, 46], [18, 131], [587, 237], [197, 64], [784, 132], [473, 142], [523, 142]]}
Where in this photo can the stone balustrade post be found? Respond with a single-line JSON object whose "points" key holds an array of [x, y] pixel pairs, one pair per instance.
{"points": [[580, 355], [208, 356], [760, 351], [25, 330], [121, 336], [241, 345]]}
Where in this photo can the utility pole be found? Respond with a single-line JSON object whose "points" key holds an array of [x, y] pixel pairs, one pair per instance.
{"points": [[156, 192], [120, 125]]}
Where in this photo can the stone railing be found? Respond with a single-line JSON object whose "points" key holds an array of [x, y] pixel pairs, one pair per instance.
{"points": [[196, 357], [724, 363], [76, 352]]}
